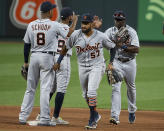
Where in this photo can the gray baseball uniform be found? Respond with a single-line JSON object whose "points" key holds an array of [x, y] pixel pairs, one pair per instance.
{"points": [[62, 75], [125, 62], [42, 35], [89, 51]]}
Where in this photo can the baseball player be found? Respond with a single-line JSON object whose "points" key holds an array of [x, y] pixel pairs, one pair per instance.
{"points": [[41, 37], [89, 45], [62, 75], [125, 62]]}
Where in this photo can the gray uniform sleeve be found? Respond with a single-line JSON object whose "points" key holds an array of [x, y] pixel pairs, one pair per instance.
{"points": [[62, 30], [108, 33], [27, 35], [134, 38], [71, 40], [69, 43], [107, 43]]}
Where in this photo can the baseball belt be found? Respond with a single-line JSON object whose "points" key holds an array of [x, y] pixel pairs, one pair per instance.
{"points": [[123, 60], [47, 52]]}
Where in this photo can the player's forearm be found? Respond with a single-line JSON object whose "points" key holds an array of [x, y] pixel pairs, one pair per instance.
{"points": [[130, 48], [27, 48], [62, 54], [64, 50], [72, 28]]}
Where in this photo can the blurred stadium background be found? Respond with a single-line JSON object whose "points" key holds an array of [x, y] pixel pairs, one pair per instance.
{"points": [[146, 16]]}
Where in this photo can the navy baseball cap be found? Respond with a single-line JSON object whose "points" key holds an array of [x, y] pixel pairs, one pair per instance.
{"points": [[119, 15], [66, 12], [87, 18], [47, 6]]}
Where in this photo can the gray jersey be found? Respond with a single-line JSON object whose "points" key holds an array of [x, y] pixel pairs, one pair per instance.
{"points": [[133, 41], [127, 70], [62, 41], [89, 50], [63, 75], [42, 34]]}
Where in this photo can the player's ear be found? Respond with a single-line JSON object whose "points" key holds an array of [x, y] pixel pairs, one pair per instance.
{"points": [[51, 12]]}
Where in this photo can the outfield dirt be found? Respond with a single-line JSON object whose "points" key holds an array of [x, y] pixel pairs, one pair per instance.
{"points": [[78, 118]]}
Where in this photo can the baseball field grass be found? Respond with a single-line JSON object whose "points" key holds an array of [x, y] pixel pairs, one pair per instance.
{"points": [[149, 81]]}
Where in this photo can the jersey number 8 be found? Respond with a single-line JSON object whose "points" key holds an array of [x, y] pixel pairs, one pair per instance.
{"points": [[40, 38]]}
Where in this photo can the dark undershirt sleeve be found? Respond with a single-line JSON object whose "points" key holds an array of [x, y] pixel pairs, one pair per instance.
{"points": [[27, 48], [112, 54]]}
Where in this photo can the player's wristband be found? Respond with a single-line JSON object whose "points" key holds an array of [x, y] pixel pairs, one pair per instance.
{"points": [[60, 59], [124, 47]]}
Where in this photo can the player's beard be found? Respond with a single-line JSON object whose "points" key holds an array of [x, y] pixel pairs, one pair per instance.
{"points": [[86, 31]]}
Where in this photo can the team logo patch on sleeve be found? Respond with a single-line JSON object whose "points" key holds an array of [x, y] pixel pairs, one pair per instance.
{"points": [[22, 12]]}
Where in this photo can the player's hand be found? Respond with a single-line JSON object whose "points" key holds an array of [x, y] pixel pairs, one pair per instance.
{"points": [[75, 18], [118, 44], [73, 25], [97, 23], [25, 65], [56, 67], [110, 66]]}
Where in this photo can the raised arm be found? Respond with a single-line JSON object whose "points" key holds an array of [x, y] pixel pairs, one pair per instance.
{"points": [[73, 25]]}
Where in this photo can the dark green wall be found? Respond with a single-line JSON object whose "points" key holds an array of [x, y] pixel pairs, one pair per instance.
{"points": [[105, 9], [7, 29], [2, 17], [102, 8]]}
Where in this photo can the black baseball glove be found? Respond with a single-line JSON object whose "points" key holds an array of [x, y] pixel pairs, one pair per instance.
{"points": [[24, 72], [113, 76]]}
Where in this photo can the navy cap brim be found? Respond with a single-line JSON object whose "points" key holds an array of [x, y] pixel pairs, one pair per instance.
{"points": [[86, 21], [119, 18]]}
